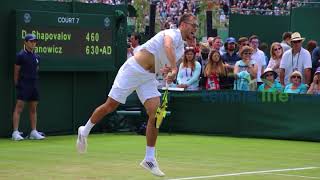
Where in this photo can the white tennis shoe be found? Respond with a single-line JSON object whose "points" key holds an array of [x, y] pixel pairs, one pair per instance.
{"points": [[153, 167], [35, 135], [16, 136], [81, 141]]}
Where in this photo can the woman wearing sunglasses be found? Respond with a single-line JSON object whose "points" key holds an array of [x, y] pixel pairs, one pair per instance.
{"points": [[245, 71], [276, 52], [296, 86], [270, 84]]}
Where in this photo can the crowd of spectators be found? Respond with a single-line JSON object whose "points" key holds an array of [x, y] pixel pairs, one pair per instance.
{"points": [[169, 11], [110, 2], [241, 65], [262, 7]]}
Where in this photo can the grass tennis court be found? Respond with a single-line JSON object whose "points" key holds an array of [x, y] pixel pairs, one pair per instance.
{"points": [[117, 157]]}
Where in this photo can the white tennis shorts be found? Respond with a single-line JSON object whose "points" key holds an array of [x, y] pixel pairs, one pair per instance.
{"points": [[132, 77]]}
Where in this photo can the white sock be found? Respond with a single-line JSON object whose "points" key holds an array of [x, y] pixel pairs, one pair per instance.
{"points": [[34, 131], [87, 128], [150, 153]]}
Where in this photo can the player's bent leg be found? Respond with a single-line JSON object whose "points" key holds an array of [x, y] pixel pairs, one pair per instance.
{"points": [[109, 106]]}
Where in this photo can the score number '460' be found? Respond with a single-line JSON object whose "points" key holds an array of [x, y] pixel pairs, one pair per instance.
{"points": [[96, 49], [92, 37]]}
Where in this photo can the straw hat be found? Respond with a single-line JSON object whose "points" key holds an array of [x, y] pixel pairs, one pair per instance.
{"points": [[204, 47], [296, 37], [275, 75]]}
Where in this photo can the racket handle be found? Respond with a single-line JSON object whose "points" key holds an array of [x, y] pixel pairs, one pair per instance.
{"points": [[169, 75]]}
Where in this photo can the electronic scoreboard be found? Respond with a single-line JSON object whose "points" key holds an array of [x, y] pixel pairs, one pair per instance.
{"points": [[69, 41]]}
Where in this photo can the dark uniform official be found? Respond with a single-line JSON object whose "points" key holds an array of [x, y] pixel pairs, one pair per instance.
{"points": [[26, 82]]}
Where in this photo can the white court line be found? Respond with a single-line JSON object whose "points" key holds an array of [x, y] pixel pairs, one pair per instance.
{"points": [[308, 177], [244, 173]]}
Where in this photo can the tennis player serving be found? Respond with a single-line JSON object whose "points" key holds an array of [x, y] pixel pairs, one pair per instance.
{"points": [[138, 74]]}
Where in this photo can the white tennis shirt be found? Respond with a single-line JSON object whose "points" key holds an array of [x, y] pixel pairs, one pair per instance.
{"points": [[155, 46]]}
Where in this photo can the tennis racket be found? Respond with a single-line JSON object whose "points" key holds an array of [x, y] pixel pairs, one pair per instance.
{"points": [[162, 109]]}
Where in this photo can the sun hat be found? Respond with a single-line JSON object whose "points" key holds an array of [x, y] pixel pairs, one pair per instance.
{"points": [[275, 75], [204, 47], [296, 37]]}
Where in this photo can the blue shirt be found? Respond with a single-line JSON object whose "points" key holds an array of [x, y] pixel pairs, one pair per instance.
{"points": [[189, 77], [276, 87], [28, 62], [302, 89], [231, 60]]}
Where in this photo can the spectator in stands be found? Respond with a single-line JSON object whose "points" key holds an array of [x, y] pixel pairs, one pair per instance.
{"points": [[245, 70], [203, 60], [134, 44], [189, 71], [286, 41], [222, 19], [225, 8], [276, 52], [214, 70], [26, 81], [315, 85], [316, 58], [217, 44], [264, 47], [258, 56], [230, 57], [270, 84], [243, 41], [311, 45], [296, 86], [297, 59], [147, 24], [193, 43], [210, 41]]}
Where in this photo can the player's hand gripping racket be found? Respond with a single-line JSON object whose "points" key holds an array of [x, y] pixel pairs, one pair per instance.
{"points": [[162, 110]]}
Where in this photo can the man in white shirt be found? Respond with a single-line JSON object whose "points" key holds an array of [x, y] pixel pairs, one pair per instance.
{"points": [[258, 56], [298, 59], [134, 47], [138, 74], [285, 44]]}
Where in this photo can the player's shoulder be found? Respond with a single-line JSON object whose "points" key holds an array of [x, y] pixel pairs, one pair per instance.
{"points": [[172, 32]]}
